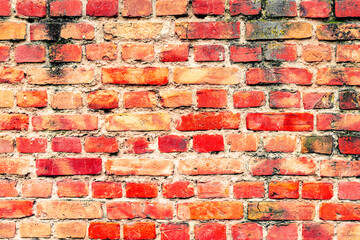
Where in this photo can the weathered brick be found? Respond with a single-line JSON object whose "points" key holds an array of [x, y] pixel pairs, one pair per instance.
{"points": [[66, 144], [287, 231], [135, 30], [131, 210], [213, 190], [139, 99], [138, 145], [317, 190], [315, 9], [7, 229], [6, 99], [137, 52], [6, 145], [73, 229], [248, 99], [69, 210], [280, 52], [5, 9], [135, 76], [141, 190], [30, 8], [209, 53], [206, 75], [210, 231], [316, 53], [277, 30], [282, 166], [339, 168], [101, 145], [11, 75], [137, 8], [180, 189], [243, 142], [12, 31], [44, 76], [281, 143], [8, 189], [139, 231], [208, 121], [103, 99], [284, 99], [347, 8], [245, 53], [349, 190], [4, 53], [338, 76], [339, 211], [348, 231], [173, 143], [281, 211], [244, 7], [211, 166], [68, 166], [138, 122], [349, 145], [338, 122], [208, 30], [104, 230], [175, 98], [65, 122], [280, 121], [281, 8], [29, 53], [14, 166], [72, 188], [249, 190], [65, 8], [348, 53], [318, 100], [281, 75], [65, 53], [317, 144], [178, 231], [31, 145], [211, 98], [102, 8], [349, 100], [77, 31], [283, 189], [338, 31], [106, 190], [142, 166], [66, 100], [317, 231], [103, 51], [174, 53], [28, 99], [210, 210], [35, 230], [16, 208], [204, 143], [249, 231], [18, 122], [171, 8]]}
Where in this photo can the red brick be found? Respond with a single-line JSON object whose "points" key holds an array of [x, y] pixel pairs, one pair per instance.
{"points": [[104, 230], [205, 7], [103, 99], [339, 168], [211, 98], [206, 75], [281, 143], [209, 210], [179, 231], [349, 190], [30, 8], [173, 143], [131, 210], [5, 9], [37, 188], [16, 209], [282, 75], [77, 31], [102, 8], [28, 99], [210, 231], [317, 231], [7, 229], [138, 145], [315, 9], [243, 142], [175, 98], [12, 31], [103, 51], [211, 166], [249, 190], [317, 190], [29, 53], [174, 53], [101, 145], [72, 188], [283, 166], [348, 231], [248, 99], [347, 8], [181, 189], [8, 189], [338, 76], [137, 8], [318, 100], [244, 7], [213, 190], [69, 210], [68, 166], [284, 189], [208, 30], [339, 211], [31, 145], [317, 144], [248, 231], [208, 121], [280, 52], [284, 99], [135, 76], [338, 122], [316, 53], [6, 145], [106, 190], [209, 53], [283, 232], [139, 231], [66, 144], [4, 51], [349, 100], [280, 121], [348, 53], [141, 190], [245, 53], [65, 122], [65, 53], [11, 75], [137, 52], [17, 122], [140, 99], [142, 167], [281, 210], [14, 166], [65, 8], [171, 8], [208, 143]]}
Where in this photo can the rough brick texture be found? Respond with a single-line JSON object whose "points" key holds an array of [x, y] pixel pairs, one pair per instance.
{"points": [[180, 119]]}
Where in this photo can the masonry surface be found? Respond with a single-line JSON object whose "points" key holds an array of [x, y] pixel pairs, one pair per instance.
{"points": [[178, 120]]}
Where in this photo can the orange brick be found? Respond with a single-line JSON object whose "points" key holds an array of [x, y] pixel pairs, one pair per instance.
{"points": [[243, 142], [175, 98], [137, 52], [35, 230], [103, 51], [36, 188], [72, 188], [281, 143], [144, 99], [73, 229], [66, 100], [6, 99], [28, 99]]}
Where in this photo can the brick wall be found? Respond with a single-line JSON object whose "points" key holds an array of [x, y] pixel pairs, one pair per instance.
{"points": [[169, 119]]}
